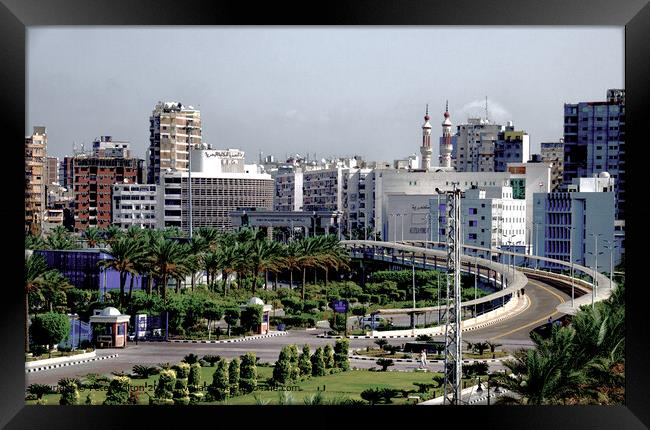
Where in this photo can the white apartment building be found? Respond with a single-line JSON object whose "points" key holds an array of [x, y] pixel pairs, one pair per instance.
{"points": [[358, 207], [135, 205], [475, 142], [288, 191], [323, 189]]}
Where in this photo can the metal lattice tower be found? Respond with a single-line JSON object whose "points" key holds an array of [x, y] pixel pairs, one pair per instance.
{"points": [[453, 357]]}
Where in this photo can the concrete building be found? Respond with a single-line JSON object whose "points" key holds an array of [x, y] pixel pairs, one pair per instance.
{"points": [[553, 152], [135, 205], [215, 193], [173, 128], [66, 172], [594, 142], [475, 145], [51, 171], [35, 155], [525, 180], [105, 146], [512, 146], [93, 180], [575, 218], [491, 218], [323, 189], [288, 191], [358, 203]]}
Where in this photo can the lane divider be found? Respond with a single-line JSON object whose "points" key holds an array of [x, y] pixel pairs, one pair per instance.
{"points": [[241, 339], [69, 363]]}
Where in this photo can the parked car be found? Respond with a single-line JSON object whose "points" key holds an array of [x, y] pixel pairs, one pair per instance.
{"points": [[371, 322]]}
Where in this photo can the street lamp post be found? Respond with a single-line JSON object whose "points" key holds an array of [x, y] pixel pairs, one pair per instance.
{"points": [[595, 254], [571, 261], [536, 245], [610, 245], [475, 282], [402, 218]]}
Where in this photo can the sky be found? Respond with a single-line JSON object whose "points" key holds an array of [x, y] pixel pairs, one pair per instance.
{"points": [[327, 90]]}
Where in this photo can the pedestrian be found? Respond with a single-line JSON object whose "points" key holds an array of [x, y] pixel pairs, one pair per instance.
{"points": [[218, 332], [550, 320], [424, 358]]}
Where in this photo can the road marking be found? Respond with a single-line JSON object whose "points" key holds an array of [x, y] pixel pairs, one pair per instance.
{"points": [[539, 320]]}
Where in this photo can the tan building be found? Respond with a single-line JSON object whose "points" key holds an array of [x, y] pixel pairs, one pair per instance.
{"points": [[51, 171], [553, 152], [35, 150], [173, 127]]}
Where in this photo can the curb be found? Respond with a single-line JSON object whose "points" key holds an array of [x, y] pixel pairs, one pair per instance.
{"points": [[241, 339], [69, 363], [411, 360]]}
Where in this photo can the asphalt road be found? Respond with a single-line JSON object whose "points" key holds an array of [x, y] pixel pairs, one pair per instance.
{"points": [[512, 334]]}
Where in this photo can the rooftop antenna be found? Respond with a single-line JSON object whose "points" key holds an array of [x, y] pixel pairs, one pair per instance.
{"points": [[486, 109]]}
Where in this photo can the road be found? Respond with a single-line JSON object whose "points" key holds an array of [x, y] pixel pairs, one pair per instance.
{"points": [[512, 334]]}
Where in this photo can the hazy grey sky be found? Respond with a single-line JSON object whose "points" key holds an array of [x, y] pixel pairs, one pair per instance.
{"points": [[329, 90]]}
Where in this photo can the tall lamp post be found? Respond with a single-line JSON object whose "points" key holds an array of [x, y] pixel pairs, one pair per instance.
{"points": [[595, 254], [536, 244], [571, 261], [402, 218], [610, 245]]}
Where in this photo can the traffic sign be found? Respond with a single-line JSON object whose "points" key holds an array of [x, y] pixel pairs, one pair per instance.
{"points": [[340, 306]]}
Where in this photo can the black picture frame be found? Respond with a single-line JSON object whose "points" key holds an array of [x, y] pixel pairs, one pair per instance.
{"points": [[16, 15]]}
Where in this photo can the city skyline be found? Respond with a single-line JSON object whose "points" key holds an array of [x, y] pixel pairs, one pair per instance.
{"points": [[341, 91]]}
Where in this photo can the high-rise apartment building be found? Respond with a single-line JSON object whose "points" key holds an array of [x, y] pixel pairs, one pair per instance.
{"points": [[288, 191], [173, 128], [475, 144], [51, 171], [135, 205], [93, 180], [553, 152], [594, 142], [35, 156], [512, 146], [105, 146]]}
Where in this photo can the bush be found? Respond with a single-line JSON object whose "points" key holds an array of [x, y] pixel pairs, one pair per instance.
{"points": [[181, 393], [251, 317], [295, 321], [248, 373], [233, 376], [69, 389], [328, 353], [372, 395], [165, 388], [95, 381], [212, 359], [341, 359], [318, 363], [143, 372], [392, 348], [294, 357], [475, 369], [191, 358], [282, 371], [385, 363], [118, 391], [50, 328], [220, 387], [194, 379], [304, 362], [38, 390], [381, 343]]}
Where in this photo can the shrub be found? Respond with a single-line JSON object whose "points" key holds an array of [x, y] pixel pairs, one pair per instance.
{"points": [[181, 394], [318, 363], [233, 376], [212, 359], [248, 373], [165, 389], [385, 363], [220, 387], [282, 372], [118, 391], [38, 390], [304, 363], [293, 358], [341, 359], [388, 393], [231, 316], [381, 343], [69, 389], [191, 358], [144, 372], [50, 328], [251, 317], [328, 353], [95, 381], [372, 395], [194, 379]]}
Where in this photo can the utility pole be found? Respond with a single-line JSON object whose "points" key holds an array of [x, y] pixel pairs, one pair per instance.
{"points": [[413, 265], [189, 172], [453, 338]]}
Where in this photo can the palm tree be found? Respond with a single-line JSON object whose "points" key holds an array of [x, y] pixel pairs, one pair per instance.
{"points": [[125, 253], [93, 236], [262, 255], [308, 257], [226, 260], [112, 233], [199, 245], [54, 283], [35, 270], [60, 238], [34, 242], [291, 253], [165, 256]]}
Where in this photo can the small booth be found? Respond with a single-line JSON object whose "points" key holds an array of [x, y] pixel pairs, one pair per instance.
{"points": [[266, 313], [110, 328]]}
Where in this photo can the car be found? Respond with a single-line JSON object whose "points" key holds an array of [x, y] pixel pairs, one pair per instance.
{"points": [[371, 322]]}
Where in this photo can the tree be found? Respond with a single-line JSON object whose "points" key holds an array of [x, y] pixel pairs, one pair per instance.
{"points": [[93, 236], [181, 393], [293, 358], [251, 317], [304, 363], [39, 390], [50, 329], [35, 270], [328, 354], [372, 395], [118, 391], [166, 257], [165, 389], [385, 363], [233, 376], [318, 363], [124, 252], [282, 373], [381, 343], [231, 316], [212, 311], [60, 239], [341, 359], [69, 389], [53, 290], [194, 379], [220, 387], [248, 373]]}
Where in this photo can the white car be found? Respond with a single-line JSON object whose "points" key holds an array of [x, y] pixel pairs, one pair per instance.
{"points": [[371, 322]]}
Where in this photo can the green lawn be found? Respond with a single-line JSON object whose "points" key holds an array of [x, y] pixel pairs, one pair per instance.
{"points": [[345, 384]]}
